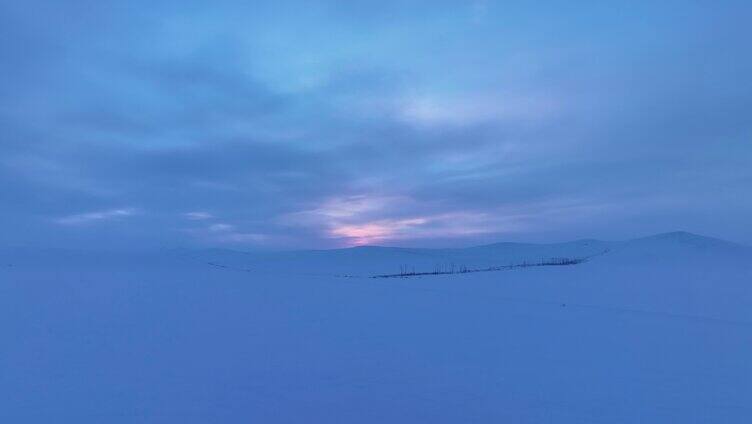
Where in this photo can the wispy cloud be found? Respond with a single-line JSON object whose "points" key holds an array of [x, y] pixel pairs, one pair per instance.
{"points": [[217, 228], [375, 231], [241, 238], [430, 226], [197, 215], [223, 233], [475, 109], [90, 217], [364, 220]]}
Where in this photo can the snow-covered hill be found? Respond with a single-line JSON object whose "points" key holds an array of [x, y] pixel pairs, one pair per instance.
{"points": [[655, 330], [374, 260]]}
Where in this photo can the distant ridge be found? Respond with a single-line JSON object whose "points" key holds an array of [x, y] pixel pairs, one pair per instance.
{"points": [[687, 238], [667, 247], [672, 248], [682, 237]]}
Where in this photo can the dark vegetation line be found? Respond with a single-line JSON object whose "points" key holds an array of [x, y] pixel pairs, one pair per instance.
{"points": [[228, 267], [451, 269]]}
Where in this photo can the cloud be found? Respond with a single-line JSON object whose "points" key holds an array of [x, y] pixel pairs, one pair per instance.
{"points": [[375, 231], [433, 124], [216, 228], [477, 109], [362, 219], [198, 216], [241, 238], [220, 234], [348, 207], [90, 217]]}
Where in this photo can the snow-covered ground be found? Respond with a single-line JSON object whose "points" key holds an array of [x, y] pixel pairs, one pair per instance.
{"points": [[654, 330]]}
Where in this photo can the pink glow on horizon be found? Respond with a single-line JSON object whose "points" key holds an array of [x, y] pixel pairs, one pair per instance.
{"points": [[360, 220], [373, 232]]}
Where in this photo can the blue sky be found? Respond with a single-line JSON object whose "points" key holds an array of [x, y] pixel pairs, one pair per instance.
{"points": [[324, 124]]}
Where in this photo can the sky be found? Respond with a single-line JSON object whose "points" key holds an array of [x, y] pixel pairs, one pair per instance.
{"points": [[287, 125]]}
